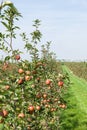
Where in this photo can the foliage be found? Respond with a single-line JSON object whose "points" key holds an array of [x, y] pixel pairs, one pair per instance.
{"points": [[8, 18], [31, 46], [78, 68], [31, 93]]}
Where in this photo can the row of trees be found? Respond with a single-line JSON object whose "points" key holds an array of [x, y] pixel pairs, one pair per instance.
{"points": [[9, 17], [31, 92]]}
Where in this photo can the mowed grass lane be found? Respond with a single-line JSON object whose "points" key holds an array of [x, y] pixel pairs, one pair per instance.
{"points": [[79, 89], [75, 116]]}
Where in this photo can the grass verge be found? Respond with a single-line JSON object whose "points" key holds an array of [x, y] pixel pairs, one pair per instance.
{"points": [[75, 116]]}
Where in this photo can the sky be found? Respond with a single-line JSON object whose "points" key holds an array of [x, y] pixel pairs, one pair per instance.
{"points": [[64, 22]]}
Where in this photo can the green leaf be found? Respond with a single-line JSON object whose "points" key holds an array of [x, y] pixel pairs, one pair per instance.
{"points": [[1, 35], [28, 46], [7, 58], [2, 126], [14, 9], [5, 25], [15, 28]]}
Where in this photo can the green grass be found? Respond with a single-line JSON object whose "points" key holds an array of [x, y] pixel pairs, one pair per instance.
{"points": [[75, 116]]}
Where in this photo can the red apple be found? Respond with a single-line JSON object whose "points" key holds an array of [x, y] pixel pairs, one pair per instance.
{"points": [[48, 82], [20, 71], [5, 113], [20, 81], [17, 57], [31, 109], [60, 83]]}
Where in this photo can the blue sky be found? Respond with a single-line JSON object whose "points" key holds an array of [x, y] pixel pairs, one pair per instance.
{"points": [[64, 22]]}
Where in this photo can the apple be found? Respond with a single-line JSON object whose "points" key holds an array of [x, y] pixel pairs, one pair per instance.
{"points": [[47, 105], [62, 106], [20, 71], [56, 100], [20, 81], [17, 57], [44, 95], [44, 101], [5, 113], [28, 128], [48, 82], [33, 85], [27, 78], [21, 115], [31, 109], [53, 109], [48, 100], [38, 108], [60, 83], [49, 87], [7, 87]]}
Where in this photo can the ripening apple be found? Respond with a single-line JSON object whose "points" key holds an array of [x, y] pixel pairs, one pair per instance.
{"points": [[20, 71], [21, 115], [44, 95], [27, 78], [20, 81], [48, 82], [17, 57], [5, 113], [38, 108], [62, 106], [31, 109], [60, 83], [7, 87], [27, 72]]}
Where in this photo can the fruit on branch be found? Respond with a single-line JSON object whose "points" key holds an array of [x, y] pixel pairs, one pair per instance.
{"points": [[27, 78], [7, 87], [17, 57], [38, 108], [31, 109], [48, 82], [60, 83], [21, 115], [20, 71], [27, 72], [44, 95], [20, 81], [5, 113]]}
